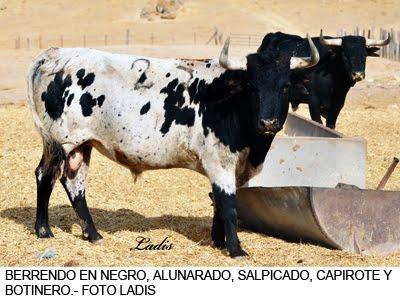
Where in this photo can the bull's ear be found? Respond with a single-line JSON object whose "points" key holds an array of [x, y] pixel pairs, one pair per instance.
{"points": [[371, 51]]}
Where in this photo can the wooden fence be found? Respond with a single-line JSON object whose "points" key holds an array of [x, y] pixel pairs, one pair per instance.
{"points": [[129, 37]]}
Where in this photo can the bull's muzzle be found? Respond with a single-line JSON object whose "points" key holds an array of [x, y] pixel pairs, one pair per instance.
{"points": [[357, 76], [269, 127]]}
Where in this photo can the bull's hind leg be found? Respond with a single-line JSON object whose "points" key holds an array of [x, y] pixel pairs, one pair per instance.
{"points": [[47, 173], [73, 181]]}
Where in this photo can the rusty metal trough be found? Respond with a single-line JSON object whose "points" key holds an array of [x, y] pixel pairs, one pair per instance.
{"points": [[344, 217], [356, 220]]}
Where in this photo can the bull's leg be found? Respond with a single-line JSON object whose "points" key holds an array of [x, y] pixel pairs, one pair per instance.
{"points": [[314, 108], [225, 214], [46, 173], [333, 113], [331, 119], [218, 229], [73, 181]]}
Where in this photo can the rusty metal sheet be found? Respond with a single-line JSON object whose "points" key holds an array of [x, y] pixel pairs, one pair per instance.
{"points": [[361, 221], [356, 220]]}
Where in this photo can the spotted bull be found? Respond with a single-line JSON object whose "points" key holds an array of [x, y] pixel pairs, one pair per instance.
{"points": [[217, 118], [326, 85]]}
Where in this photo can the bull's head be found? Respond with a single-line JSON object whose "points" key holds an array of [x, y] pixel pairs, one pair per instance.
{"points": [[269, 83], [354, 51]]}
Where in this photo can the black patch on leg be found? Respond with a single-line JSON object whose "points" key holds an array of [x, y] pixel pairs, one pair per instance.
{"points": [[54, 97], [218, 229], [85, 81], [78, 199], [80, 206], [46, 173], [226, 208], [145, 108]]}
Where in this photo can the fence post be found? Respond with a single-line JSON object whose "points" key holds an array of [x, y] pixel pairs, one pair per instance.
{"points": [[127, 36], [18, 43], [392, 44], [28, 43]]}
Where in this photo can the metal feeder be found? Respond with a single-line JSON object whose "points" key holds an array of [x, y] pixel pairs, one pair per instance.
{"points": [[356, 220], [343, 217]]}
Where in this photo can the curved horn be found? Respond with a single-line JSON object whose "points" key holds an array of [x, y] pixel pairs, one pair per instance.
{"points": [[306, 62], [230, 64], [374, 42], [329, 42]]}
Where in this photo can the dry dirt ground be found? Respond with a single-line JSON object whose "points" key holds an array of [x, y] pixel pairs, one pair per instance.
{"points": [[173, 203]]}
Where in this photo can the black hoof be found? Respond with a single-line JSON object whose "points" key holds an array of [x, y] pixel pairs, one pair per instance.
{"points": [[237, 252], [43, 231], [93, 237]]}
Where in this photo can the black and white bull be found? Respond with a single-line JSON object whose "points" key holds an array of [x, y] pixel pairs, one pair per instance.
{"points": [[215, 117], [326, 85]]}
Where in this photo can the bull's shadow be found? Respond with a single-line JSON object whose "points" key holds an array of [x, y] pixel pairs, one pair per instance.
{"points": [[197, 229]]}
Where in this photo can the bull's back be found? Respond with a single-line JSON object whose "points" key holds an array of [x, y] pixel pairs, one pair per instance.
{"points": [[116, 101]]}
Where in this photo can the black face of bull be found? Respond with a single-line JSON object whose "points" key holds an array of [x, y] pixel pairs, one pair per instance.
{"points": [[354, 52], [269, 82]]}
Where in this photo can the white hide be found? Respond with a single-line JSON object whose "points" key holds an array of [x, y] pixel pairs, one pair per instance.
{"points": [[118, 124]]}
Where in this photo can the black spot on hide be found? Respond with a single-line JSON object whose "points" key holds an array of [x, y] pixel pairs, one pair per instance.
{"points": [[85, 81], [173, 106], [87, 103], [145, 108], [54, 97]]}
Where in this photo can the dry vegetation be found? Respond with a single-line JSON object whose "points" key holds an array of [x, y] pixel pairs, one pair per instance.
{"points": [[175, 202]]}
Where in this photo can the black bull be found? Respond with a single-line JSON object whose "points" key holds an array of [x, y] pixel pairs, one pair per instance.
{"points": [[325, 86]]}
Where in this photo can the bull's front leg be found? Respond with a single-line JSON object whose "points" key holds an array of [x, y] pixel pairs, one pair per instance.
{"points": [[218, 229], [224, 229], [314, 108]]}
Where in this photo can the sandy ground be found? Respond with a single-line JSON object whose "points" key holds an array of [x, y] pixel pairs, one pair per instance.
{"points": [[173, 203]]}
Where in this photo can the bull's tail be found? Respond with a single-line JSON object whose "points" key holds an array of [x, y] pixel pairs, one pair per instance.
{"points": [[33, 79]]}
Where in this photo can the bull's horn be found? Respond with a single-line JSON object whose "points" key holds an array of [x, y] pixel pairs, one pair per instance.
{"points": [[228, 64], [329, 42], [305, 62], [375, 42]]}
